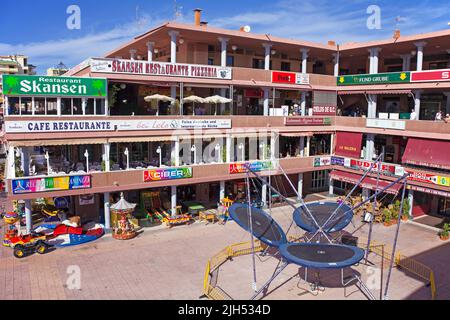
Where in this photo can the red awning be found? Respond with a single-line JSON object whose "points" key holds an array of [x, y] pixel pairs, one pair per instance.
{"points": [[428, 153], [368, 182], [348, 144]]}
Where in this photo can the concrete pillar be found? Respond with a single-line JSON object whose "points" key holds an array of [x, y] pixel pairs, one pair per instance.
{"points": [[223, 52], [411, 202], [417, 95], [150, 48], [106, 107], [308, 146], [372, 106], [6, 106], [266, 102], [300, 185], [406, 62], [303, 103], [373, 56], [222, 190], [332, 144], [370, 146], [106, 156], [274, 146], [58, 106], [447, 105], [264, 193], [107, 206], [302, 146], [174, 200], [304, 52], [223, 93], [177, 152], [28, 220], [173, 46], [228, 147], [336, 64], [420, 45], [331, 187], [83, 105], [267, 47], [133, 54], [11, 164]]}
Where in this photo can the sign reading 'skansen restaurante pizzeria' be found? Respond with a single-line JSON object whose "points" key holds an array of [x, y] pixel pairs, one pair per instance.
{"points": [[379, 78], [156, 68], [19, 85]]}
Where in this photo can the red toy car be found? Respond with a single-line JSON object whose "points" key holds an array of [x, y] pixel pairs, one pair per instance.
{"points": [[28, 243]]}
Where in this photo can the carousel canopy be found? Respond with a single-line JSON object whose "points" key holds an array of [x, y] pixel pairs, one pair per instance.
{"points": [[123, 205]]}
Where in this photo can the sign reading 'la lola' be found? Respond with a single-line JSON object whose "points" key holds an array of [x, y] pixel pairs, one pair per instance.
{"points": [[157, 68], [379, 78], [18, 85]]}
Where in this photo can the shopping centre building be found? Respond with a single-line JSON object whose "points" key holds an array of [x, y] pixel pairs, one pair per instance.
{"points": [[143, 119]]}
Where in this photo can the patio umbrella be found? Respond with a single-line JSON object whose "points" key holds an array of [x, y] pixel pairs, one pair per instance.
{"points": [[159, 97], [217, 99], [123, 205], [194, 99]]}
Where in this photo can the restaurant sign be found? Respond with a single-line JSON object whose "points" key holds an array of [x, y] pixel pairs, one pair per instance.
{"points": [[167, 174], [430, 191], [130, 125], [386, 124], [19, 85], [290, 77], [378, 78], [156, 68], [322, 161], [58, 126], [256, 166], [431, 75], [306, 121], [46, 184]]}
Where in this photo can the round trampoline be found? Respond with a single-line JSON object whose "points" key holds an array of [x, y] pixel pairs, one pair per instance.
{"points": [[321, 212], [265, 228], [321, 256]]}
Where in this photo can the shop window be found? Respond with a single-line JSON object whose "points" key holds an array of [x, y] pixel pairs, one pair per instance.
{"points": [[230, 61], [210, 61], [285, 66], [320, 180], [66, 106], [77, 106], [52, 106], [14, 106], [90, 109], [25, 106], [258, 63], [39, 106], [395, 69], [99, 106], [438, 65]]}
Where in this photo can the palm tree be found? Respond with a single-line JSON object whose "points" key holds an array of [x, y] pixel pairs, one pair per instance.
{"points": [[98, 85], [12, 82]]}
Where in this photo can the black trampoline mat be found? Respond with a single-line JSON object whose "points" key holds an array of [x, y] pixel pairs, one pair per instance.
{"points": [[263, 226], [321, 213], [321, 253]]}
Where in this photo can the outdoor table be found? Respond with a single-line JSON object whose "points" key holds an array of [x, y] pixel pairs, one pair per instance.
{"points": [[208, 216]]}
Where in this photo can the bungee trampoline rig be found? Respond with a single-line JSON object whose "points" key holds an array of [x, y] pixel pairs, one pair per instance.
{"points": [[322, 244]]}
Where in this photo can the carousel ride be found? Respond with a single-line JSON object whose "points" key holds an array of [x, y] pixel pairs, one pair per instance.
{"points": [[123, 229]]}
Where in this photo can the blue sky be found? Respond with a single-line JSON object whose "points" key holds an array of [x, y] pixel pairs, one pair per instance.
{"points": [[40, 31]]}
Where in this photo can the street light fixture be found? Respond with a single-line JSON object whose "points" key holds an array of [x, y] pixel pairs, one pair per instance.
{"points": [[127, 154], [194, 150], [159, 151], [86, 155]]}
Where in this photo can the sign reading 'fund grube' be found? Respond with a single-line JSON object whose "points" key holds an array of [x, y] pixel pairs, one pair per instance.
{"points": [[379, 78], [20, 85], [156, 68]]}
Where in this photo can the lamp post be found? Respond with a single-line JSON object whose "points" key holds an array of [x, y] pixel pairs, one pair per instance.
{"points": [[194, 150], [127, 154], [159, 151], [86, 155], [262, 146], [241, 147], [219, 156], [47, 157]]}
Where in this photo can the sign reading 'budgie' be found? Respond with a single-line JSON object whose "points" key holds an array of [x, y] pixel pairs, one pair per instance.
{"points": [[19, 85]]}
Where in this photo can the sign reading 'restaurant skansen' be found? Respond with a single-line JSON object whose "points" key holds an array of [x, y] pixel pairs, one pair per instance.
{"points": [[22, 85], [156, 68]]}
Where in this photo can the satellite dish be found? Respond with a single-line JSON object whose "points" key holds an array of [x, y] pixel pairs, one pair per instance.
{"points": [[247, 29]]}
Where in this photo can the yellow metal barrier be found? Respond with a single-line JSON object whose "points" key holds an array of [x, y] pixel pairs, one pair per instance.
{"points": [[234, 250]]}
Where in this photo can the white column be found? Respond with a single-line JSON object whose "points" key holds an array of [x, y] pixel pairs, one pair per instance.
{"points": [[308, 146], [373, 56], [336, 64], [300, 185], [267, 47], [223, 54], [106, 107], [83, 105], [406, 58], [177, 152], [303, 103], [372, 106], [332, 144], [6, 106], [223, 93], [370, 146], [28, 220], [264, 193], [11, 164], [370, 61], [228, 148], [174, 200], [331, 187], [106, 156], [222, 190], [173, 46], [302, 146], [25, 161], [304, 52], [411, 202], [266, 102], [58, 106], [417, 95], [107, 211], [274, 146], [150, 48], [420, 46], [447, 105], [133, 54]]}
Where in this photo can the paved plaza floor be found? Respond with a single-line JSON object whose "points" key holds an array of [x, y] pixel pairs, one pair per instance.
{"points": [[169, 264]]}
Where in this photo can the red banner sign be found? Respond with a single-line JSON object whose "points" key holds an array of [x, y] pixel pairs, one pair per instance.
{"points": [[365, 165], [253, 93], [319, 110], [434, 75], [306, 121], [284, 77], [348, 144]]}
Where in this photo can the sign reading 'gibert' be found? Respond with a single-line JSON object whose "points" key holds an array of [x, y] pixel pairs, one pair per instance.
{"points": [[379, 78], [18, 85]]}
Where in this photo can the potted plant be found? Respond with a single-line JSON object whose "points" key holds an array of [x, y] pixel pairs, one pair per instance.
{"points": [[387, 217], [444, 234]]}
